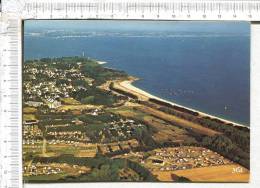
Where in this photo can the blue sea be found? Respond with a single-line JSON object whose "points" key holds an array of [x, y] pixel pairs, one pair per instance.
{"points": [[202, 65]]}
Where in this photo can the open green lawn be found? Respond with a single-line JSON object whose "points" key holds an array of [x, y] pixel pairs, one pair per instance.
{"points": [[129, 112], [27, 117], [63, 150], [70, 101], [29, 110]]}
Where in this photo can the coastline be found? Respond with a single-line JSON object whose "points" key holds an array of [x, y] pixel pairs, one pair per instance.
{"points": [[101, 62], [128, 85]]}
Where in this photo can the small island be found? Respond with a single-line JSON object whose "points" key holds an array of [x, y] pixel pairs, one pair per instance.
{"points": [[84, 122]]}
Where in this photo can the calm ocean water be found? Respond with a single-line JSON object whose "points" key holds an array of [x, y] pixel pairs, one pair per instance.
{"points": [[202, 65]]}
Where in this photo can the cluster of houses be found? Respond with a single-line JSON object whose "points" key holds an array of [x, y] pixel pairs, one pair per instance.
{"points": [[56, 83], [120, 130], [32, 142], [63, 141], [35, 69], [68, 135], [35, 169], [118, 146], [31, 132], [34, 103], [49, 90], [181, 158]]}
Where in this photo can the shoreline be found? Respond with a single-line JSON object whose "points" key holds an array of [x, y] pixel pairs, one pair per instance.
{"points": [[101, 62], [128, 85]]}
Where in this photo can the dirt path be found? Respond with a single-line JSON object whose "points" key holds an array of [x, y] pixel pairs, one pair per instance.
{"points": [[178, 121], [44, 148]]}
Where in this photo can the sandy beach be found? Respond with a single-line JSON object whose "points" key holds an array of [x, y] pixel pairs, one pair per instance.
{"points": [[127, 85], [101, 62]]}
